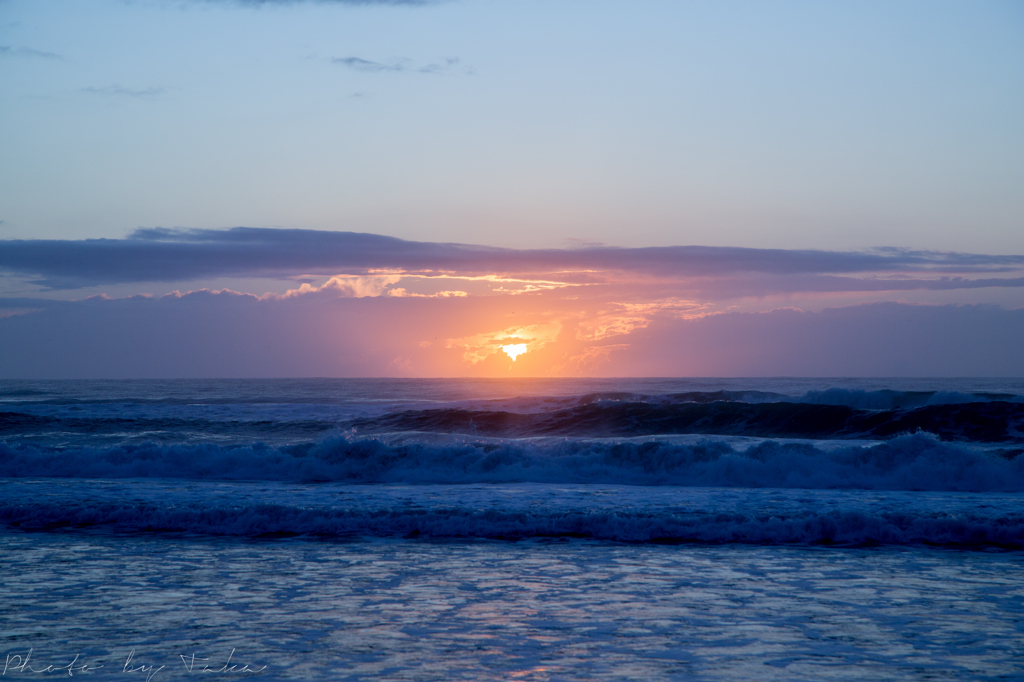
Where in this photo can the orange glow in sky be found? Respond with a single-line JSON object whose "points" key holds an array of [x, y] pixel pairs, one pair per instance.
{"points": [[514, 349]]}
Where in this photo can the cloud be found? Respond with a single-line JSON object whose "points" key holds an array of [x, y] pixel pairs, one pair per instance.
{"points": [[119, 91], [742, 285], [166, 255], [397, 66], [449, 63], [356, 287], [360, 64], [9, 312], [577, 243], [10, 51], [261, 3], [400, 292], [621, 319]]}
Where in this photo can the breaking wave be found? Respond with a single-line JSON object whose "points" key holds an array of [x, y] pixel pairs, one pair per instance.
{"points": [[884, 399], [269, 520], [912, 462], [990, 422], [895, 400]]}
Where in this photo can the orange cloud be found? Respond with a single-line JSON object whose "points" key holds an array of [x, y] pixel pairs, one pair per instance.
{"points": [[479, 347], [399, 292], [622, 318]]}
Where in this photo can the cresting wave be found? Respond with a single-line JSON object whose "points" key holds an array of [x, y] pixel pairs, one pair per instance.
{"points": [[913, 462], [829, 414], [605, 416], [587, 416], [835, 527]]}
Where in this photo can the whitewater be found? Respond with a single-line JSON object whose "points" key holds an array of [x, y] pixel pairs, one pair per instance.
{"points": [[513, 529]]}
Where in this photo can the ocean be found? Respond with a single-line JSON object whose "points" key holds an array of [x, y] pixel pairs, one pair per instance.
{"points": [[535, 529]]}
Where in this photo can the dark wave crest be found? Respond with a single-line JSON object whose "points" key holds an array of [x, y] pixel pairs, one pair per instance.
{"points": [[20, 424], [985, 422], [836, 527], [915, 462]]}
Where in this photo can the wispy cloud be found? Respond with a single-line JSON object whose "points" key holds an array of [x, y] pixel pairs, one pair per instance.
{"points": [[166, 255], [120, 91], [260, 3], [448, 64], [11, 51], [360, 64], [395, 66]]}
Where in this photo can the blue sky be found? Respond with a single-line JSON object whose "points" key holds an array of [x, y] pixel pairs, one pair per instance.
{"points": [[522, 124]]}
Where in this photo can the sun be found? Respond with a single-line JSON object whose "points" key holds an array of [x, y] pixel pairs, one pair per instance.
{"points": [[514, 350]]}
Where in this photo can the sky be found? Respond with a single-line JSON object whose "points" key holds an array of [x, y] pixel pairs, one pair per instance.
{"points": [[341, 188]]}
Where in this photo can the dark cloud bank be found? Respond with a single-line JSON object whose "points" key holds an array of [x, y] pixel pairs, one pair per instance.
{"points": [[162, 255]]}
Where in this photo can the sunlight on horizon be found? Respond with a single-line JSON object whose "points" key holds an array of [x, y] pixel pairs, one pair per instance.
{"points": [[514, 350]]}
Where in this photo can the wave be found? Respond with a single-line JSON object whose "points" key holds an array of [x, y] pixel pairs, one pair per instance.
{"points": [[22, 424], [832, 413], [914, 462], [991, 422], [836, 527], [895, 400], [605, 415], [313, 392], [855, 398]]}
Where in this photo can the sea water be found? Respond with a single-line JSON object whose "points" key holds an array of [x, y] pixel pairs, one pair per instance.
{"points": [[532, 529]]}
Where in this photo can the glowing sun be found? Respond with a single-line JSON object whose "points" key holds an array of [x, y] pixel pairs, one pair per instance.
{"points": [[514, 350]]}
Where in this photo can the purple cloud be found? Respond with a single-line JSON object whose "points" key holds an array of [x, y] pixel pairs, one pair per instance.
{"points": [[164, 255]]}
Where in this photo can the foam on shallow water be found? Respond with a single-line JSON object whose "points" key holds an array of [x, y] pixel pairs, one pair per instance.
{"points": [[538, 610]]}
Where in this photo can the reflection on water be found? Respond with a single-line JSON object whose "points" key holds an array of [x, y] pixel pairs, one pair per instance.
{"points": [[524, 611]]}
